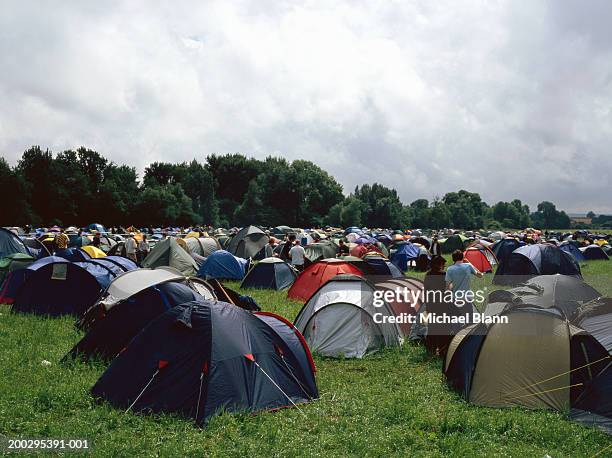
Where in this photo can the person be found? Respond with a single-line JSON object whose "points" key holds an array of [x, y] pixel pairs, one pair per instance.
{"points": [[130, 247], [269, 250], [343, 249], [143, 248], [297, 254], [435, 249], [284, 254], [438, 335], [96, 242], [61, 240], [458, 276]]}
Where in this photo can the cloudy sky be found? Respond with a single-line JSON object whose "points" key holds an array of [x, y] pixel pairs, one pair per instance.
{"points": [[511, 99]]}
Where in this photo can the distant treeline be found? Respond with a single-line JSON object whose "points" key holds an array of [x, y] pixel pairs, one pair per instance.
{"points": [[80, 187]]}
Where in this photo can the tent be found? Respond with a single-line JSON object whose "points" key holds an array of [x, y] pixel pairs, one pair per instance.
{"points": [[381, 267], [572, 249], [320, 250], [405, 253], [11, 243], [202, 246], [93, 252], [130, 303], [454, 242], [593, 252], [536, 360], [11, 263], [223, 265], [315, 275], [560, 291], [191, 361], [248, 242], [595, 317], [409, 290], [54, 286], [531, 260], [342, 319], [270, 273], [481, 257], [502, 248], [168, 252]]}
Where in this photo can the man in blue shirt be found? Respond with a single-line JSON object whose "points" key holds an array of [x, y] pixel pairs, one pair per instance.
{"points": [[458, 276]]}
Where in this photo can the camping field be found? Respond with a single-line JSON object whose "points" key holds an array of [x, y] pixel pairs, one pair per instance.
{"points": [[391, 403]]}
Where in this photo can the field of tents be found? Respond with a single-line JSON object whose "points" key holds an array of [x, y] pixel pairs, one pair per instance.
{"points": [[210, 346]]}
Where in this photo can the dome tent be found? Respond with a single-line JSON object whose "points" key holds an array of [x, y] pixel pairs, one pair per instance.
{"points": [[502, 248], [202, 246], [572, 249], [593, 252], [535, 360], [11, 243], [531, 260], [270, 273], [316, 275], [131, 302], [223, 265], [338, 319], [405, 253], [54, 286], [481, 257], [248, 242], [191, 361], [168, 252]]}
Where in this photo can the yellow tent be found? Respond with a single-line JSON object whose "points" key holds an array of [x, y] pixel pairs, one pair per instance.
{"points": [[93, 251]]}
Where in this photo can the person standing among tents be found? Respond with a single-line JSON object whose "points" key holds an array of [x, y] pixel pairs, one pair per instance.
{"points": [[438, 335], [436, 250], [143, 248], [297, 255], [269, 248], [284, 254], [131, 247], [61, 241], [458, 277], [96, 242], [343, 249]]}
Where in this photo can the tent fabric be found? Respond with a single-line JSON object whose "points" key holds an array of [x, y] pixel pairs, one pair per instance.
{"points": [[454, 242], [109, 331], [93, 252], [535, 360], [11, 243], [594, 406], [338, 319], [595, 317], [531, 260], [73, 254], [315, 275], [223, 265], [403, 255], [381, 267], [594, 252], [320, 250], [202, 246], [573, 250], [56, 287], [11, 263], [408, 289], [248, 242], [191, 361], [270, 273], [502, 248], [168, 252]]}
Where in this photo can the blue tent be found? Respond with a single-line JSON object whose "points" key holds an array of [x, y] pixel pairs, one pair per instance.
{"points": [[54, 286], [73, 254], [531, 260], [404, 254], [593, 252], [382, 267], [109, 331], [573, 250], [270, 273], [502, 248], [192, 361], [96, 227], [10, 244], [223, 265]]}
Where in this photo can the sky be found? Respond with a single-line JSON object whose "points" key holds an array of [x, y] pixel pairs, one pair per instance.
{"points": [[510, 99]]}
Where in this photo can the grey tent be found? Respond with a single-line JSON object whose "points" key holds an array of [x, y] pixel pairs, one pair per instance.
{"points": [[168, 252], [248, 242], [596, 318], [343, 319], [320, 250], [202, 246]]}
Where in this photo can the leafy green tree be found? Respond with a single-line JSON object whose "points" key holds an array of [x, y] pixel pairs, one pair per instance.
{"points": [[15, 206], [548, 217]]}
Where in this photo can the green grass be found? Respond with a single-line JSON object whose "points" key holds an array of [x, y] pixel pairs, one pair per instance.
{"points": [[391, 403]]}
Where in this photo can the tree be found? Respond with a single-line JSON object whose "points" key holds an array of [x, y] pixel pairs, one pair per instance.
{"points": [[548, 217], [467, 209], [15, 206], [118, 193]]}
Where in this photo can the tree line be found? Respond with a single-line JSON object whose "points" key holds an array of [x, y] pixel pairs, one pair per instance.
{"points": [[78, 187]]}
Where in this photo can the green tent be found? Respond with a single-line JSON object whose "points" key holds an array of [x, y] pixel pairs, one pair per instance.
{"points": [[168, 252]]}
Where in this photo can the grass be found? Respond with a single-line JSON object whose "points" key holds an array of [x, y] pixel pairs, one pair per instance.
{"points": [[393, 403]]}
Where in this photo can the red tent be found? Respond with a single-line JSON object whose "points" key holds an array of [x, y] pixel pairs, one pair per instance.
{"points": [[317, 274], [481, 257]]}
